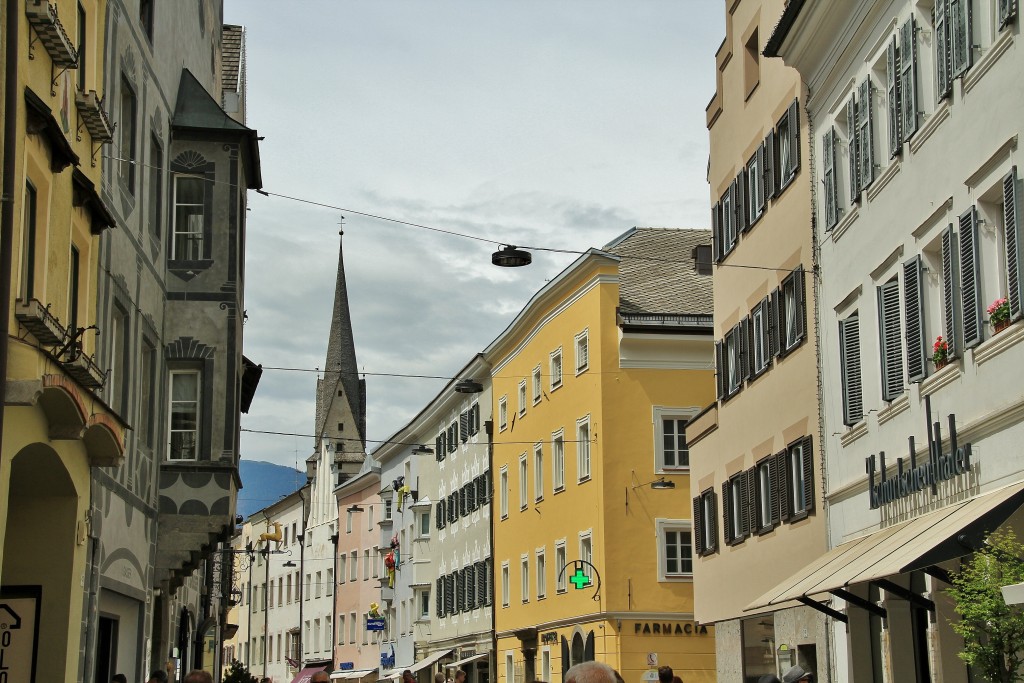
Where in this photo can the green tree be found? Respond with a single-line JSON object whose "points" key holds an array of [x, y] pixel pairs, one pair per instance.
{"points": [[237, 673], [993, 631]]}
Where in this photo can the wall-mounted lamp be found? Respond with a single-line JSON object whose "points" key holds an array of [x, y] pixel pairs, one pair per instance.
{"points": [[659, 483], [289, 563], [511, 257], [468, 386], [353, 508], [422, 450], [334, 539]]}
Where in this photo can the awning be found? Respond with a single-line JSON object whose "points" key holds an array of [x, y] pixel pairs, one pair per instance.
{"points": [[353, 674], [924, 541], [392, 674], [427, 661], [306, 674], [466, 660]]}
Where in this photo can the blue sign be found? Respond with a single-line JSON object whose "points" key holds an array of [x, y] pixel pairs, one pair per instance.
{"points": [[346, 666], [387, 660], [376, 624]]}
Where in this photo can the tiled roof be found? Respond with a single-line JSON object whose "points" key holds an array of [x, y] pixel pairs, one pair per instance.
{"points": [[231, 56], [661, 278]]}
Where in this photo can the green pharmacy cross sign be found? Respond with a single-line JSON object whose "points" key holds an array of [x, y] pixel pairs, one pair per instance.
{"points": [[582, 575]]}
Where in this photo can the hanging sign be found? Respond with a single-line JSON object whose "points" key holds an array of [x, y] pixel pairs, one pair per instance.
{"points": [[376, 624], [19, 636]]}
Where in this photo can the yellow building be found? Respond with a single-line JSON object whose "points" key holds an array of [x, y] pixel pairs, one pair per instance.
{"points": [[593, 382], [56, 424]]}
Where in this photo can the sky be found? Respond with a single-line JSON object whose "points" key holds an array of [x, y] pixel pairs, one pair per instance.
{"points": [[555, 123]]}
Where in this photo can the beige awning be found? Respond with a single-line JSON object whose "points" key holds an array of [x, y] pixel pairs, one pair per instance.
{"points": [[427, 661], [924, 541], [466, 660], [353, 674]]}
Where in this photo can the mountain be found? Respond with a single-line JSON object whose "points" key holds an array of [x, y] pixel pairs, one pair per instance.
{"points": [[264, 483]]}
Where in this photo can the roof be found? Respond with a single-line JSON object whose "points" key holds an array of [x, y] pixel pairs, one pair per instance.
{"points": [[231, 56], [781, 30], [657, 273]]}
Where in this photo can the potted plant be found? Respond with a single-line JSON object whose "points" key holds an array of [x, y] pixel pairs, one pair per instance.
{"points": [[940, 353], [999, 314]]}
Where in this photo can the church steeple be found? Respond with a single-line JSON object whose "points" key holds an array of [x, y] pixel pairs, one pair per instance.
{"points": [[341, 394]]}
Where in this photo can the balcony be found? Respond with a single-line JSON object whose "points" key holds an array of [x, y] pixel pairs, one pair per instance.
{"points": [[43, 17], [95, 119], [83, 369], [38, 320]]}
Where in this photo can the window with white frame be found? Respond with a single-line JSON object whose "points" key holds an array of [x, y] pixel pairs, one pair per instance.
{"points": [[503, 490], [542, 582], [705, 521], [891, 334], [675, 549], [556, 368], [524, 577], [538, 472], [764, 495], [184, 415], [793, 310], [353, 565], [734, 508], [502, 413], [352, 625], [387, 509], [342, 564], [582, 351], [849, 363], [510, 668], [560, 577], [759, 342], [755, 186], [522, 398], [583, 448], [536, 380], [671, 451], [367, 561], [423, 523], [187, 243], [423, 599], [522, 481], [800, 474], [504, 583], [587, 551], [558, 460]]}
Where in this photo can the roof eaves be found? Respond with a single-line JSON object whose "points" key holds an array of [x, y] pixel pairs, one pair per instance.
{"points": [[782, 29]]}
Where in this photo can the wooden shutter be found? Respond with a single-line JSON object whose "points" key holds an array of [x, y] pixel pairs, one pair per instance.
{"points": [[854, 149], [470, 581], [439, 597], [453, 437], [740, 202], [750, 369], [866, 133], [449, 594], [828, 178], [766, 331], [440, 516], [961, 36], [1011, 234], [780, 477], [890, 339], [774, 323], [762, 198], [770, 157], [751, 500], [849, 363], [474, 419], [441, 446], [743, 349], [892, 95], [464, 426], [713, 521], [970, 276], [1007, 11], [808, 466], [719, 370], [716, 233], [801, 303], [727, 511], [943, 54], [950, 291], [730, 219], [908, 79], [794, 138], [698, 526], [758, 521], [913, 306]]}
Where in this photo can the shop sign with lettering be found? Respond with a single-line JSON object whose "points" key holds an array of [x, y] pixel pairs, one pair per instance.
{"points": [[661, 628]]}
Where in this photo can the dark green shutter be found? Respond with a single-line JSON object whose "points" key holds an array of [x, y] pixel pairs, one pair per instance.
{"points": [[849, 362], [829, 179], [890, 339], [970, 276], [892, 94], [854, 149], [913, 306], [808, 466], [961, 36], [950, 292], [943, 53], [908, 79], [1011, 238]]}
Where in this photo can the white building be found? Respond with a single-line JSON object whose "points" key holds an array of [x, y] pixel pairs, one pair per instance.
{"points": [[915, 108], [319, 561]]}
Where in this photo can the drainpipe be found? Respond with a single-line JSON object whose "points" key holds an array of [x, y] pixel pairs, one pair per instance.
{"points": [[489, 426], [7, 194]]}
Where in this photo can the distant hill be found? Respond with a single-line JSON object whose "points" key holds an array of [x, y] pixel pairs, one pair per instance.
{"points": [[264, 483]]}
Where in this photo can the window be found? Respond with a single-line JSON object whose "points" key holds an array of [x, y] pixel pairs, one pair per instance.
{"points": [[348, 521], [504, 583], [424, 602], [147, 368], [675, 549], [787, 137], [387, 509], [755, 186], [759, 337], [341, 629], [901, 86], [524, 577], [765, 495], [184, 418], [74, 273], [556, 368], [582, 351], [146, 17], [288, 588], [586, 551], [800, 475], [583, 448], [536, 385], [538, 472], [793, 310], [83, 46], [734, 509], [730, 359], [542, 581], [561, 578], [830, 178], [702, 259], [522, 398], [319, 582], [522, 481], [751, 64], [728, 218], [705, 520], [187, 243], [860, 112], [366, 561], [849, 364], [891, 351], [502, 413], [961, 37], [352, 624], [342, 563], [28, 249], [117, 381], [126, 143], [424, 523], [545, 664], [913, 307], [503, 479], [353, 565], [671, 451], [280, 588], [156, 186], [510, 669], [375, 565], [558, 460]]}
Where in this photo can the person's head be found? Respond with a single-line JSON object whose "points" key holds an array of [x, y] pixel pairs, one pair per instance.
{"points": [[769, 678], [665, 674], [591, 672], [460, 676], [797, 673], [439, 677], [158, 676], [320, 677], [118, 678], [406, 675], [676, 679], [198, 676]]}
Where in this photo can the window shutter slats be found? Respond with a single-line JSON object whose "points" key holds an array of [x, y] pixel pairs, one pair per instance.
{"points": [[943, 54], [743, 342], [770, 157], [908, 78], [774, 322], [755, 507], [762, 197], [744, 521], [698, 526], [854, 149], [740, 203], [766, 331], [438, 597], [913, 306], [808, 465], [801, 303], [713, 522], [890, 339], [716, 232], [751, 507], [1007, 11], [781, 480], [892, 95], [961, 36], [794, 138], [831, 187], [719, 371], [849, 362], [950, 291], [727, 511], [439, 517], [866, 133], [1011, 234], [464, 426], [970, 291]]}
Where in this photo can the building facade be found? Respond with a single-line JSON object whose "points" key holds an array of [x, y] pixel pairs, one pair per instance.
{"points": [[755, 473], [918, 218], [591, 385], [58, 424]]}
